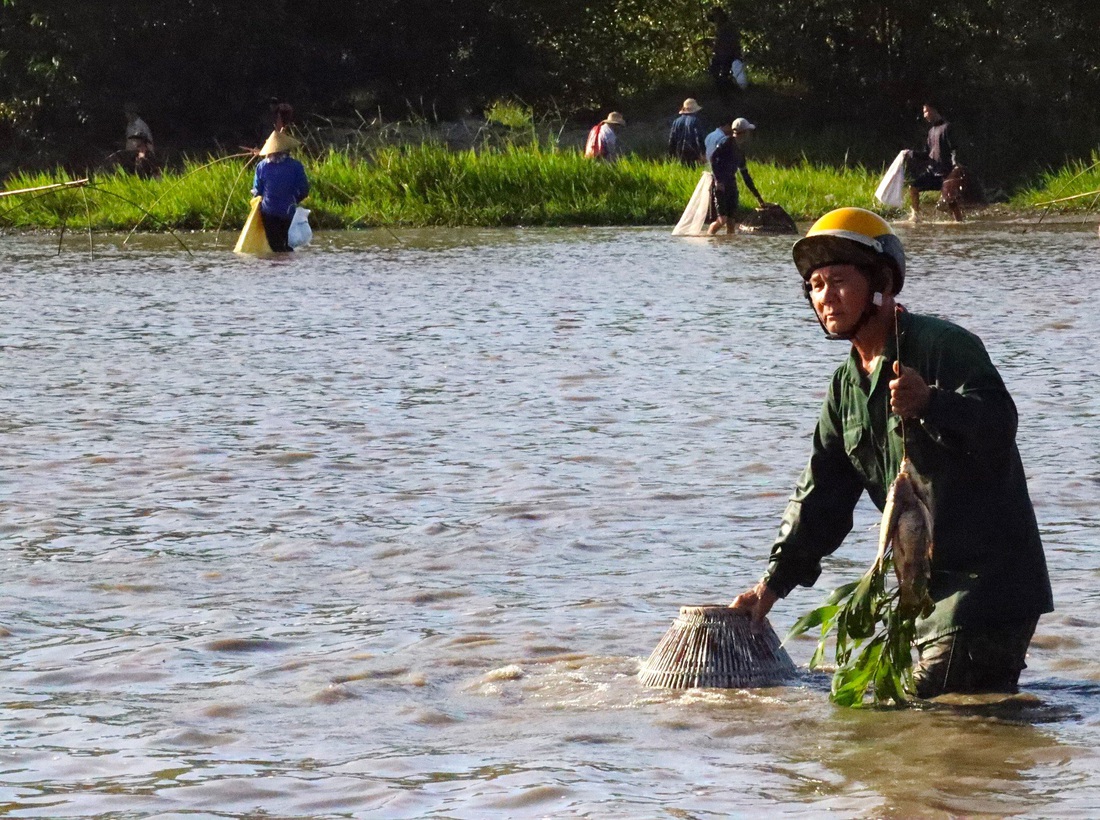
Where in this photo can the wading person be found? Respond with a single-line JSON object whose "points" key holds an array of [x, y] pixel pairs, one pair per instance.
{"points": [[928, 169], [686, 138], [603, 139], [725, 156], [281, 182], [935, 381]]}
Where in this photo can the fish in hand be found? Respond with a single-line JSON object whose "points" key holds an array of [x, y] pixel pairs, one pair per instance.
{"points": [[907, 531]]}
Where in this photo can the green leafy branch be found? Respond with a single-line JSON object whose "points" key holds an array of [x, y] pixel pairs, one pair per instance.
{"points": [[873, 641]]}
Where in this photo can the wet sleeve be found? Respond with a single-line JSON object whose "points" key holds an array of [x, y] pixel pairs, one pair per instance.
{"points": [[970, 409], [257, 184], [819, 514]]}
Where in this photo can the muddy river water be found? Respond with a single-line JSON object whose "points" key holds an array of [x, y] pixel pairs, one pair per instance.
{"points": [[385, 529]]}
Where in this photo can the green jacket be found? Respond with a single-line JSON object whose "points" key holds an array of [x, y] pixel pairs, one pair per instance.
{"points": [[987, 562]]}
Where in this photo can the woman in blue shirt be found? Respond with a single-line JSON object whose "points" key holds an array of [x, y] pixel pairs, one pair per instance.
{"points": [[281, 181]]}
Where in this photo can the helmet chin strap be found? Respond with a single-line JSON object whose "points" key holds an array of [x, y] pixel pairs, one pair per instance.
{"points": [[873, 304]]}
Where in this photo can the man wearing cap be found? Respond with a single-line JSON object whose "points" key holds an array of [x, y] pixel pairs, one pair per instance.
{"points": [[723, 149], [281, 181], [686, 139], [931, 382], [603, 143]]}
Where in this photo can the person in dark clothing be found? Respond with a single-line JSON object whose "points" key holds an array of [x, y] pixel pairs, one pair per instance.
{"points": [[282, 113], [686, 139], [726, 158], [928, 169], [725, 49], [281, 181], [139, 145], [923, 389]]}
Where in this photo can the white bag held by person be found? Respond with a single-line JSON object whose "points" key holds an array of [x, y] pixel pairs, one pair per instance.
{"points": [[891, 191], [299, 233], [740, 76], [695, 214]]}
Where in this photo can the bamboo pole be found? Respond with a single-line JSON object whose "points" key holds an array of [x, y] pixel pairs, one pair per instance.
{"points": [[76, 183], [1067, 198]]}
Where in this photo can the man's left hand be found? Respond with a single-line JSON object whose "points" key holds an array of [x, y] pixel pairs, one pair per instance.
{"points": [[909, 392]]}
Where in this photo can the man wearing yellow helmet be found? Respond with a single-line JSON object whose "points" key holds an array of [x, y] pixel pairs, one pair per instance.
{"points": [[932, 382]]}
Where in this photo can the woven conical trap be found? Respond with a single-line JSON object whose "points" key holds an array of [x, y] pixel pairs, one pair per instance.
{"points": [[717, 647]]}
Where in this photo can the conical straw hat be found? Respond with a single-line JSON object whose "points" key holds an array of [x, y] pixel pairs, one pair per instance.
{"points": [[279, 142], [717, 647]]}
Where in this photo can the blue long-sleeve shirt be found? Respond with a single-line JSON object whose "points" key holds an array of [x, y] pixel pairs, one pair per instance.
{"points": [[686, 138], [726, 160], [281, 181]]}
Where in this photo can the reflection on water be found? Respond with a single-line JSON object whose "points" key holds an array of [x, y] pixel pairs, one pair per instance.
{"points": [[387, 527]]}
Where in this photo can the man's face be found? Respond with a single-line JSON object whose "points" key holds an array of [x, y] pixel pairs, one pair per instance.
{"points": [[930, 113], [839, 294]]}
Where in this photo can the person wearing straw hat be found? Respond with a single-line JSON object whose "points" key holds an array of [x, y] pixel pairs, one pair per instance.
{"points": [[603, 143], [924, 389], [723, 151], [281, 182], [687, 138]]}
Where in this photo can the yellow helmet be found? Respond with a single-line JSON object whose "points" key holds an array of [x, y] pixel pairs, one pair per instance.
{"points": [[853, 236]]}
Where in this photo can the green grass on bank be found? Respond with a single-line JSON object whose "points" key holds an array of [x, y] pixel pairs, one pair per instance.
{"points": [[1073, 188], [426, 185]]}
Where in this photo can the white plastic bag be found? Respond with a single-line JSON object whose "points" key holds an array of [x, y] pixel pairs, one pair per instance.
{"points": [[695, 214], [299, 233], [740, 76], [891, 191]]}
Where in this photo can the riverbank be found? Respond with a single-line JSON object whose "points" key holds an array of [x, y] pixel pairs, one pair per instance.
{"points": [[431, 185]]}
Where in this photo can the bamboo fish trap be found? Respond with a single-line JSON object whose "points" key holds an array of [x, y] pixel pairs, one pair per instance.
{"points": [[716, 647]]}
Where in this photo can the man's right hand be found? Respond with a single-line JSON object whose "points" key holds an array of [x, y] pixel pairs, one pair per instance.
{"points": [[757, 601]]}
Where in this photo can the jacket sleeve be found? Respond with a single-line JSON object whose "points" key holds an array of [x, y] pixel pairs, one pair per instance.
{"points": [[970, 409], [700, 139], [952, 148], [303, 184], [819, 514], [257, 183]]}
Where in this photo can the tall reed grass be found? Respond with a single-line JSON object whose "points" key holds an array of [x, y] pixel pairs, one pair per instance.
{"points": [[1075, 187], [425, 185]]}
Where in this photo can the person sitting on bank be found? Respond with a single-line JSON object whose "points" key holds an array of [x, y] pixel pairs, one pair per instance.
{"points": [[928, 169], [281, 182], [603, 141], [923, 388], [687, 139], [724, 153]]}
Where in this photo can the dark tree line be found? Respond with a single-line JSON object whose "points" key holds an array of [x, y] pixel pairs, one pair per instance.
{"points": [[203, 70]]}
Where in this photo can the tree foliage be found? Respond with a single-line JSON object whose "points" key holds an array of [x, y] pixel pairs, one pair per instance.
{"points": [[207, 67]]}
